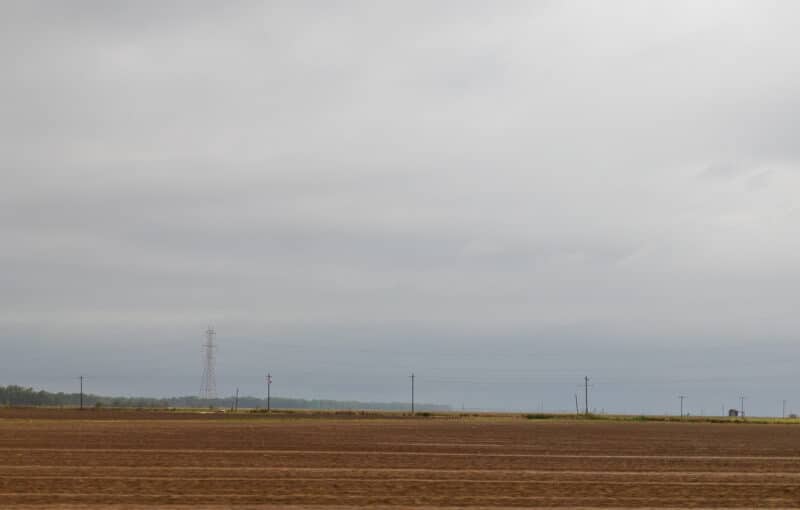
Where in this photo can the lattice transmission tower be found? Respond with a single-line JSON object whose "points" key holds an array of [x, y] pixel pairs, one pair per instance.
{"points": [[208, 386]]}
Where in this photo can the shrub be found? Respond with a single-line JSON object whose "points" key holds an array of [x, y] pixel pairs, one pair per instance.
{"points": [[539, 416]]}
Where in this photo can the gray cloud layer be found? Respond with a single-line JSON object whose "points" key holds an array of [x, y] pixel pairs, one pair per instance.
{"points": [[401, 184]]}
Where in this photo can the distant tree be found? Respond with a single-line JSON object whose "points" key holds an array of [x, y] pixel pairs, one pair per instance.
{"points": [[18, 396]]}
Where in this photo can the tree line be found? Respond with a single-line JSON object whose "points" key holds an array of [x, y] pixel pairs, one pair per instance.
{"points": [[21, 396]]}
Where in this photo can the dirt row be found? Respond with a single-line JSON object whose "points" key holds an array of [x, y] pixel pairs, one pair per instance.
{"points": [[474, 436], [380, 474], [301, 460]]}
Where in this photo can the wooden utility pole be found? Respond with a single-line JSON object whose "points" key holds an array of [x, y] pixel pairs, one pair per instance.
{"points": [[586, 394], [269, 384], [412, 393]]}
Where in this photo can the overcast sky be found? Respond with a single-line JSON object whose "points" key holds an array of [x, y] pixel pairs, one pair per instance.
{"points": [[501, 197]]}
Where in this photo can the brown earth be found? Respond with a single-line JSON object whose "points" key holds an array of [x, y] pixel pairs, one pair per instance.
{"points": [[109, 459]]}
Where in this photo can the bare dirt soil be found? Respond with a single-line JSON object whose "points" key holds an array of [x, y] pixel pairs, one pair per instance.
{"points": [[125, 460]]}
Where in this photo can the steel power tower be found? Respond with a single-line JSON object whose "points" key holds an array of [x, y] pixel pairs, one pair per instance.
{"points": [[208, 386]]}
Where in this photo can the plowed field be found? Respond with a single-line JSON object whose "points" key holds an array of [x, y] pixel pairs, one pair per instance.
{"points": [[67, 459]]}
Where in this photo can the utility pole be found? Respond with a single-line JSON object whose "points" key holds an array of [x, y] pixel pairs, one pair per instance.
{"points": [[741, 405], [235, 404], [412, 393], [586, 394], [269, 383], [783, 409], [681, 397], [577, 409], [81, 378]]}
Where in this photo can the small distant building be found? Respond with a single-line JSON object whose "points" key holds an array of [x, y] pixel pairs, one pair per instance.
{"points": [[733, 413]]}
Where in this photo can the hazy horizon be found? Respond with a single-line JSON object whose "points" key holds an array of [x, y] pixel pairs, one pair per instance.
{"points": [[500, 198]]}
